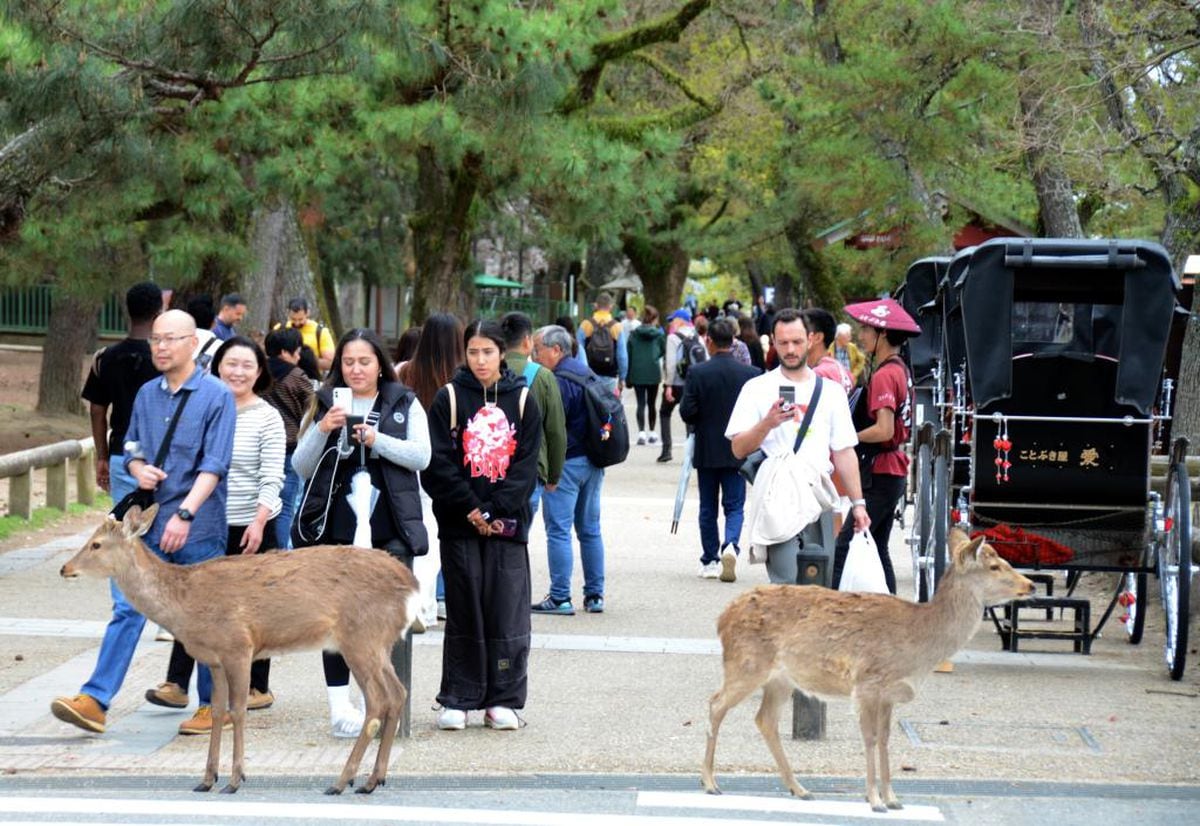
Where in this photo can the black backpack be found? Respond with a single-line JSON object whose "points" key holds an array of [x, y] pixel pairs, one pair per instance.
{"points": [[606, 441], [601, 349], [691, 351]]}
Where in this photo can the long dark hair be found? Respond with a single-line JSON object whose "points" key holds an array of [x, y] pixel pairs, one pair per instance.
{"points": [[386, 373], [407, 344], [439, 353], [264, 382]]}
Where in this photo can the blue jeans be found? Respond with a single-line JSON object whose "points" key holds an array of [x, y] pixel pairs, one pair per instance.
{"points": [[289, 496], [575, 502], [125, 627], [535, 499], [732, 488]]}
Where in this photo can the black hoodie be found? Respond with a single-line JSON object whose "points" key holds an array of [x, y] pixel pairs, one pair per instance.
{"points": [[459, 487]]}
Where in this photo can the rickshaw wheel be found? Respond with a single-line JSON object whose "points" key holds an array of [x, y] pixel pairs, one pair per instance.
{"points": [[1137, 610], [1175, 567], [937, 549], [922, 516]]}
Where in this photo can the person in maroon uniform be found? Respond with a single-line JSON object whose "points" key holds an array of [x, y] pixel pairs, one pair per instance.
{"points": [[882, 416]]}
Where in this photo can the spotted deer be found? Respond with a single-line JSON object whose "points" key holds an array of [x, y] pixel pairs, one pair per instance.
{"points": [[872, 647], [230, 611]]}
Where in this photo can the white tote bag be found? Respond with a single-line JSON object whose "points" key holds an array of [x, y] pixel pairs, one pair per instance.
{"points": [[863, 570]]}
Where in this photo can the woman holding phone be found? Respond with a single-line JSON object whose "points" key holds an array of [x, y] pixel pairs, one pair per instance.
{"points": [[364, 418], [485, 429]]}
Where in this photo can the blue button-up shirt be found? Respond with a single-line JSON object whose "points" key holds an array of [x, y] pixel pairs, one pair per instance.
{"points": [[203, 443]]}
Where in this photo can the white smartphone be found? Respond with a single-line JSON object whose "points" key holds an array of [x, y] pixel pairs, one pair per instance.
{"points": [[342, 397]]}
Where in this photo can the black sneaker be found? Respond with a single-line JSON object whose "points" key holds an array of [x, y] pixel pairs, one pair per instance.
{"points": [[665, 456], [550, 605], [593, 604]]}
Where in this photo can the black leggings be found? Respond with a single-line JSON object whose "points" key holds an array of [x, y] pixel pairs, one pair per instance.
{"points": [[664, 416], [883, 494], [647, 397], [179, 668]]}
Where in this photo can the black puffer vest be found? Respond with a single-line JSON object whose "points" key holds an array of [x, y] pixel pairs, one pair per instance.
{"points": [[400, 488]]}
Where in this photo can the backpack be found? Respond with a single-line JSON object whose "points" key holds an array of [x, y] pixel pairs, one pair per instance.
{"points": [[601, 349], [204, 358], [606, 440], [691, 351]]}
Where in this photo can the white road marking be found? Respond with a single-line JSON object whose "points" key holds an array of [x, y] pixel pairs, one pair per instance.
{"points": [[218, 811], [810, 808]]}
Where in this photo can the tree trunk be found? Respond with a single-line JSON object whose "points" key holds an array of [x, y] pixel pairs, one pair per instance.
{"points": [[663, 267], [1059, 216], [280, 271], [441, 231], [818, 286], [71, 334]]}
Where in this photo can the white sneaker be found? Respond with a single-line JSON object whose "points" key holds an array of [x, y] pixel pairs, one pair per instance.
{"points": [[728, 566], [501, 719], [710, 570], [641, 440], [347, 721], [452, 719], [653, 437]]}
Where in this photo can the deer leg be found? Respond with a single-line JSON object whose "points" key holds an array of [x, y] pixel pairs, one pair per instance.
{"points": [[883, 733], [775, 694], [736, 687], [868, 722], [238, 682], [362, 671], [395, 698], [220, 692]]}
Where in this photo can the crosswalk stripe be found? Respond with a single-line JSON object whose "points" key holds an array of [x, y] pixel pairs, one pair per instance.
{"points": [[810, 808]]}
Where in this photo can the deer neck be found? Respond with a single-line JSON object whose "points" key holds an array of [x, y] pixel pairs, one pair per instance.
{"points": [[951, 617], [152, 586]]}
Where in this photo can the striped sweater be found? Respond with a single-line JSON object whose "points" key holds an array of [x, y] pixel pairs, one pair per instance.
{"points": [[256, 472]]}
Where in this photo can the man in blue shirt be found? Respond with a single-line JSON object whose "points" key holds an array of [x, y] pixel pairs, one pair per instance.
{"points": [[190, 492], [233, 310]]}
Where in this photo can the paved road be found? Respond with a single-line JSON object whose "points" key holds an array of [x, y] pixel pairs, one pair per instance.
{"points": [[620, 696]]}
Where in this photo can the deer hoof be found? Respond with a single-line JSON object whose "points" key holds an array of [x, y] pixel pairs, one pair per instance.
{"points": [[365, 788], [879, 807], [803, 795], [229, 789], [204, 786], [333, 790], [895, 804]]}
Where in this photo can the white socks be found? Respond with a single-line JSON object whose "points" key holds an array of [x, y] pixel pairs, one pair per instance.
{"points": [[346, 718]]}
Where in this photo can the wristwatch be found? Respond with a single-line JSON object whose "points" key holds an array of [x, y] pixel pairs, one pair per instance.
{"points": [[185, 514]]}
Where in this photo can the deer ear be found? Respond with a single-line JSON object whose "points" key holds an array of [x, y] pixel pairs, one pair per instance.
{"points": [[969, 551], [957, 537], [138, 521]]}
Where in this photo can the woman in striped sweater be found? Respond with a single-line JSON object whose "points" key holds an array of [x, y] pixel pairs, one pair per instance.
{"points": [[251, 505]]}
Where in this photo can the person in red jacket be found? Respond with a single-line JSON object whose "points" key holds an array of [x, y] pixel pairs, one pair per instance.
{"points": [[883, 418]]}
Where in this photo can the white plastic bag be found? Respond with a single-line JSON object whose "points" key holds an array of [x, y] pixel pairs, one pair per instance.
{"points": [[863, 570]]}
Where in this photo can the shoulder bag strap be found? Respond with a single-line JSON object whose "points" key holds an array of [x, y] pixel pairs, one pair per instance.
{"points": [[521, 403], [453, 406], [161, 456], [808, 414]]}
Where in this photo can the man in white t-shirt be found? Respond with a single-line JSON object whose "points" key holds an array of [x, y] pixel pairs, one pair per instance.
{"points": [[760, 419]]}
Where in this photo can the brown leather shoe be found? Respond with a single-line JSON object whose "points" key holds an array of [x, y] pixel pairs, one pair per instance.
{"points": [[80, 710], [169, 695], [259, 699], [201, 722]]}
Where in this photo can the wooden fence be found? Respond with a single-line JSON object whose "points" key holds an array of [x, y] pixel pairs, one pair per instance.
{"points": [[55, 460]]}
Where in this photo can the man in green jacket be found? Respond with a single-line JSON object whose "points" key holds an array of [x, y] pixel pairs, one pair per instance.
{"points": [[518, 341]]}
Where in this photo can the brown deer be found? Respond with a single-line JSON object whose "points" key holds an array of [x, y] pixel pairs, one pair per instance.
{"points": [[868, 646], [232, 610]]}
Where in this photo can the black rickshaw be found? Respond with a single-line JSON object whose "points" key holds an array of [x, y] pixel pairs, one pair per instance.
{"points": [[1066, 399]]}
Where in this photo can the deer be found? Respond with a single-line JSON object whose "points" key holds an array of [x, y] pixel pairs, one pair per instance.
{"points": [[232, 610], [871, 647]]}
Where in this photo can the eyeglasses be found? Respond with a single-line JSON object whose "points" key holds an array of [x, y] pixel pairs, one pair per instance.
{"points": [[167, 341]]}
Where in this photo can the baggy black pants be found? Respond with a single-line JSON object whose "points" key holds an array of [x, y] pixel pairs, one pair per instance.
{"points": [[882, 495], [485, 653]]}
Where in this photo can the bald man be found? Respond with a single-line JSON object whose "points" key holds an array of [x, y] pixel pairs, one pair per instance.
{"points": [[189, 489]]}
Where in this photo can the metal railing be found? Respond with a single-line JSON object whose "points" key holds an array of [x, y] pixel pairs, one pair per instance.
{"points": [[27, 310], [55, 459]]}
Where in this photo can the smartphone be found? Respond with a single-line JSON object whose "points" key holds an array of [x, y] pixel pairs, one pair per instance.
{"points": [[343, 398], [508, 527], [788, 394]]}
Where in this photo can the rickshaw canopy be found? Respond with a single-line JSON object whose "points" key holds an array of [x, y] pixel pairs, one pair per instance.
{"points": [[1078, 298]]}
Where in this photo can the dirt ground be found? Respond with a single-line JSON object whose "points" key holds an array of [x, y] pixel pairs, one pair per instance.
{"points": [[20, 427]]}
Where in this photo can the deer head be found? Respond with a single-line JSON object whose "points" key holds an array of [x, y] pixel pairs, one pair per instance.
{"points": [[978, 562], [111, 545]]}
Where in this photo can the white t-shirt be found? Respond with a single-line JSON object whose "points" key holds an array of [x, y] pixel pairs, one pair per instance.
{"points": [[831, 428]]}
